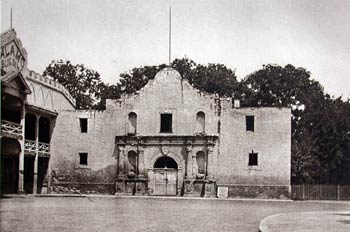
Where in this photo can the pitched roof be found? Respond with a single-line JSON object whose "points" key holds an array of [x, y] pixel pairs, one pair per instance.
{"points": [[9, 78]]}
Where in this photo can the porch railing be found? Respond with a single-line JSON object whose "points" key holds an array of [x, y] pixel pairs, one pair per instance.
{"points": [[11, 129], [44, 147], [31, 146]]}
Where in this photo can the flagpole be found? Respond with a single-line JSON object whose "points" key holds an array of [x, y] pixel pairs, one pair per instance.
{"points": [[11, 19], [169, 35]]}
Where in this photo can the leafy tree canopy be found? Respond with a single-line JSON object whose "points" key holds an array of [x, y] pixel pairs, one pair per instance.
{"points": [[211, 78], [83, 84]]}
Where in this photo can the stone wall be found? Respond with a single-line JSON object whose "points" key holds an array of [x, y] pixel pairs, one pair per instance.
{"points": [[271, 139], [82, 188], [68, 141], [169, 93], [47, 93], [259, 191]]}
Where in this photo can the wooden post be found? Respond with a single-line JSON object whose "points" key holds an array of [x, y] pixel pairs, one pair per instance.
{"points": [[21, 154], [36, 161]]}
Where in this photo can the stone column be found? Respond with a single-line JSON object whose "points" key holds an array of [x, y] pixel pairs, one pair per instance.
{"points": [[189, 161], [36, 161], [210, 163], [210, 189], [121, 168], [194, 164], [21, 154], [141, 160]]}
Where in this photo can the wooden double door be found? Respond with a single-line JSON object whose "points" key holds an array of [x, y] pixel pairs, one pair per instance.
{"points": [[165, 181]]}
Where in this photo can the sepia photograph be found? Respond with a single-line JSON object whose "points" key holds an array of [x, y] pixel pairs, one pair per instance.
{"points": [[175, 115]]}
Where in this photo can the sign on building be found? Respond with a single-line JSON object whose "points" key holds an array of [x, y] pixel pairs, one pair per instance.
{"points": [[13, 56]]}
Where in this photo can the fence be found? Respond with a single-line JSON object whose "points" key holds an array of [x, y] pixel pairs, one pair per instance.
{"points": [[321, 192]]}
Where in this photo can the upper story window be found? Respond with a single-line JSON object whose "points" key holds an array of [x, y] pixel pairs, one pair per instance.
{"points": [[83, 125], [132, 125], [200, 117], [249, 121], [253, 159], [166, 123]]}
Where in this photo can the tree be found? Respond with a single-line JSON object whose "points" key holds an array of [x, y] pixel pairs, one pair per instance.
{"points": [[211, 78], [82, 83], [137, 78], [107, 92], [274, 85], [320, 124], [331, 140]]}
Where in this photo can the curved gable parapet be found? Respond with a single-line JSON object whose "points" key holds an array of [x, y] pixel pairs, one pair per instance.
{"points": [[167, 74], [168, 86], [49, 83], [169, 94]]}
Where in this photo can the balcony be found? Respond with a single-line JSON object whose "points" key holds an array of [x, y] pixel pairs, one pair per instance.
{"points": [[31, 147], [44, 149], [11, 129]]}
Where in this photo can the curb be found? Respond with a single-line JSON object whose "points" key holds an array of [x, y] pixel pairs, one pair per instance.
{"points": [[275, 222], [263, 227], [147, 197]]}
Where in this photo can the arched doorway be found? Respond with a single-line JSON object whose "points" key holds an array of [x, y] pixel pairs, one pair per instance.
{"points": [[165, 176]]}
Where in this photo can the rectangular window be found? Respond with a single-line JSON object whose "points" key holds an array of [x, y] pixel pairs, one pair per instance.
{"points": [[253, 159], [83, 158], [83, 125], [166, 123], [249, 121]]}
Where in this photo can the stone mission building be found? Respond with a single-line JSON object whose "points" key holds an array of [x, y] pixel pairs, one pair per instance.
{"points": [[166, 139]]}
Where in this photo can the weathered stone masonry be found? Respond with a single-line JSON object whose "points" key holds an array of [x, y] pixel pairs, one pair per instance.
{"points": [[206, 146]]}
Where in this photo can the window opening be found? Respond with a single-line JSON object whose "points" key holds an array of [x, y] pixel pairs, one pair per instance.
{"points": [[200, 122], [250, 122], [83, 158], [83, 125], [253, 159], [132, 123], [166, 121]]}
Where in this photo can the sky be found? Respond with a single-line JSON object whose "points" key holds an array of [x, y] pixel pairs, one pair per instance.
{"points": [[114, 36]]}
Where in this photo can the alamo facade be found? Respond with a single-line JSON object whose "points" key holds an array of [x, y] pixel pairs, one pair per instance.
{"points": [[166, 139]]}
